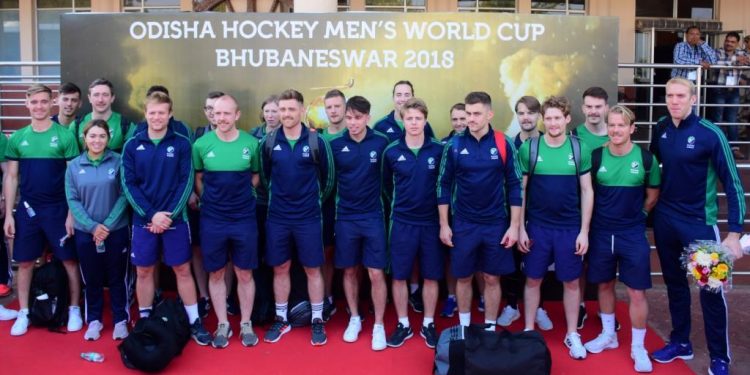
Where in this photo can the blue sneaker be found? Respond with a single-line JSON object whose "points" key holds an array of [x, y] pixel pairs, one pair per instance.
{"points": [[718, 367], [449, 307], [673, 351]]}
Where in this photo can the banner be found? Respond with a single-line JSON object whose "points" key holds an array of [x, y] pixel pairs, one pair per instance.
{"points": [[253, 55]]}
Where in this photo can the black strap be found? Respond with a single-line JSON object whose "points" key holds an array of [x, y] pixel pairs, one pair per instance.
{"points": [[648, 161], [312, 140], [596, 162]]}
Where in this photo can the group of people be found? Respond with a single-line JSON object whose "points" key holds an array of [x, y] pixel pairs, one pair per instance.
{"points": [[386, 198]]}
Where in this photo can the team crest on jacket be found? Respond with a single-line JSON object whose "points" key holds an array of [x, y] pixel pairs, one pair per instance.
{"points": [[634, 167], [53, 142], [246, 153], [170, 151], [373, 157], [493, 153], [570, 159], [111, 173], [690, 142], [431, 163], [306, 151]]}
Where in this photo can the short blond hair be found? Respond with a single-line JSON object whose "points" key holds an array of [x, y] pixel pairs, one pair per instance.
{"points": [[158, 97], [625, 112], [37, 88], [683, 82]]}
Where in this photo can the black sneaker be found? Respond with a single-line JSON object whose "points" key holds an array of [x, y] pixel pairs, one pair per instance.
{"points": [[328, 310], [415, 300], [232, 307], [203, 307], [318, 333], [430, 335], [199, 333], [582, 315], [277, 329], [400, 335]]}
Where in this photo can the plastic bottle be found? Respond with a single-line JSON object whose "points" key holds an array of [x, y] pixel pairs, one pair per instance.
{"points": [[92, 357], [29, 211]]}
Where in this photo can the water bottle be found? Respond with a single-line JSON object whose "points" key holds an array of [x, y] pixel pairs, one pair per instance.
{"points": [[92, 357], [100, 248], [29, 210], [745, 244]]}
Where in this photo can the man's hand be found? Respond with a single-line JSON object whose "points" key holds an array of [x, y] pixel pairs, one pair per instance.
{"points": [[100, 233], [193, 201], [582, 243], [732, 242], [10, 227], [69, 225], [446, 235], [524, 243], [705, 64], [510, 238], [161, 220]]}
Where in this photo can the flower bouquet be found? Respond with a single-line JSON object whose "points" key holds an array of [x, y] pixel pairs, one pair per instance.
{"points": [[710, 264]]}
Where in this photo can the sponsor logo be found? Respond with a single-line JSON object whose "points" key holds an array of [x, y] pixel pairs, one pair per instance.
{"points": [[111, 173], [246, 153], [345, 149], [539, 158], [306, 151], [140, 148], [82, 171], [277, 148], [464, 152], [53, 142], [401, 158], [24, 143], [664, 136], [170, 152], [210, 154], [373, 157], [634, 167], [390, 130], [690, 142], [570, 159], [602, 169], [431, 163], [493, 153]]}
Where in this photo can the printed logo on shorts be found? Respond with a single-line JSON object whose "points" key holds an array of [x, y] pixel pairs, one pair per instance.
{"points": [[373, 157], [246, 153], [431, 163], [690, 142], [493, 153], [634, 167], [306, 151], [53, 142], [170, 152]]}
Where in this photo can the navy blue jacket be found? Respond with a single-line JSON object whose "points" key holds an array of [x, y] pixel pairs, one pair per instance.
{"points": [[693, 156], [410, 181], [358, 179], [157, 177], [295, 184], [474, 179]]}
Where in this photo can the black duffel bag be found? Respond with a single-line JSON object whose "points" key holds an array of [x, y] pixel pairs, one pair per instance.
{"points": [[474, 351]]}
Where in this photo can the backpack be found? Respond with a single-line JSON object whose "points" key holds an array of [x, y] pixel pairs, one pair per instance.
{"points": [[156, 340], [473, 351], [49, 298]]}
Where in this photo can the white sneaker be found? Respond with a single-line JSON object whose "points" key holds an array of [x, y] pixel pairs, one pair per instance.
{"points": [[573, 342], [75, 322], [121, 330], [378, 338], [7, 314], [94, 332], [641, 359], [602, 342], [543, 320], [351, 334], [508, 316], [21, 325]]}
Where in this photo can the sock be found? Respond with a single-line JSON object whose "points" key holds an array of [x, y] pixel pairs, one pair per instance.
{"points": [[427, 321], [192, 311], [452, 297], [490, 325], [376, 326], [404, 321], [638, 336], [71, 308], [317, 311], [464, 318], [608, 323], [144, 312], [281, 309], [413, 287], [24, 311]]}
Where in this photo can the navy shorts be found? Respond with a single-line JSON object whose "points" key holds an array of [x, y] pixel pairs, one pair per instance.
{"points": [[329, 220], [174, 242], [47, 226], [552, 245], [221, 239], [361, 241], [409, 242], [629, 251], [476, 247], [282, 238]]}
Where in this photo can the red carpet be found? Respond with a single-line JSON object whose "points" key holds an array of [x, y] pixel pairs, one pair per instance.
{"points": [[42, 352]]}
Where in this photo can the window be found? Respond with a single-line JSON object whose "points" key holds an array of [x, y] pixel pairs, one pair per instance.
{"points": [[559, 7], [10, 37], [48, 29], [695, 9], [396, 5], [343, 6], [151, 6], [505, 6]]}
